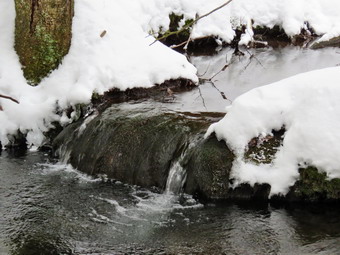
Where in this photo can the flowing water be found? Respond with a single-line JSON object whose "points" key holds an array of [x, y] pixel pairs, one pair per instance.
{"points": [[49, 208]]}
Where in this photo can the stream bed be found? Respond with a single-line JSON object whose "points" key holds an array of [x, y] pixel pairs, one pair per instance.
{"points": [[49, 208]]}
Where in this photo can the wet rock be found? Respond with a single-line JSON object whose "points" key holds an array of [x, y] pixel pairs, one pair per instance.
{"points": [[262, 150], [17, 142], [133, 146], [334, 42], [314, 186], [139, 146], [208, 169]]}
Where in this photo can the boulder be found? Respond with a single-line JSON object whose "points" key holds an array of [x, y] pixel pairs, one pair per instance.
{"points": [[139, 147]]}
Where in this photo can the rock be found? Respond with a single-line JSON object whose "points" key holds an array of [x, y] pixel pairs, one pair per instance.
{"points": [[138, 146], [133, 146], [208, 169], [334, 42], [313, 186]]}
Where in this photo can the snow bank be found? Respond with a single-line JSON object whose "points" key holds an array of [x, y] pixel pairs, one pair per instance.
{"points": [[123, 59], [291, 15], [308, 106]]}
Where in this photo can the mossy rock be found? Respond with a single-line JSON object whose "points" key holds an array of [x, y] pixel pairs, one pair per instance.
{"points": [[134, 146], [208, 169], [314, 186]]}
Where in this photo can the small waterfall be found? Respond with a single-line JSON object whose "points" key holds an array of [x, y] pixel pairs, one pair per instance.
{"points": [[176, 179], [63, 153], [177, 174]]}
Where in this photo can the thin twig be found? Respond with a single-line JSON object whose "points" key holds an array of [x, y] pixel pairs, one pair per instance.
{"points": [[203, 101], [205, 70], [216, 9], [220, 71], [221, 92], [253, 56], [178, 45], [10, 98]]}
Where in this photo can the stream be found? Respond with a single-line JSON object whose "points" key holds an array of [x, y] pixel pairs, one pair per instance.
{"points": [[47, 207]]}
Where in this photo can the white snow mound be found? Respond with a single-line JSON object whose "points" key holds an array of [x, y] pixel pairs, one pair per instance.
{"points": [[308, 106]]}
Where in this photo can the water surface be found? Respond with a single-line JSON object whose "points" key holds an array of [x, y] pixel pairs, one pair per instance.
{"points": [[240, 74], [49, 208]]}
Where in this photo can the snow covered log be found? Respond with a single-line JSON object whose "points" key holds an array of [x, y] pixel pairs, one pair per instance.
{"points": [[42, 35]]}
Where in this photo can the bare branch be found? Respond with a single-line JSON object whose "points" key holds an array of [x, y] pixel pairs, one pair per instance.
{"points": [[253, 56], [10, 98], [221, 92], [216, 9], [188, 25], [203, 101]]}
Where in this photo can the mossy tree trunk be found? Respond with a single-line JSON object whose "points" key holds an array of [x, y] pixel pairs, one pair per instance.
{"points": [[42, 35]]}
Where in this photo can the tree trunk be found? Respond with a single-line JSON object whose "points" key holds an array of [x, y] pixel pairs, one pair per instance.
{"points": [[42, 35]]}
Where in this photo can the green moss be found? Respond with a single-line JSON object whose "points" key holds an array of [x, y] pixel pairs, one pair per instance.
{"points": [[314, 185], [48, 55], [95, 96], [263, 150], [208, 169], [175, 32], [174, 21], [42, 36]]}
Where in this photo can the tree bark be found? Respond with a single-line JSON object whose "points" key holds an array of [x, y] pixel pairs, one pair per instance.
{"points": [[42, 35]]}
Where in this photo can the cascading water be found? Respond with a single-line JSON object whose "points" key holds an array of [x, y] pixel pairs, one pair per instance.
{"points": [[176, 179], [177, 174]]}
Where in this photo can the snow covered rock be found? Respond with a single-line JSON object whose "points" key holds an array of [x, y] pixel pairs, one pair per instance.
{"points": [[307, 106]]}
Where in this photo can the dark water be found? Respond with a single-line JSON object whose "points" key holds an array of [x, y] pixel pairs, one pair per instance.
{"points": [[48, 208]]}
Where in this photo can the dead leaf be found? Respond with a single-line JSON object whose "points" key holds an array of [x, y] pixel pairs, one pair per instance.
{"points": [[103, 34]]}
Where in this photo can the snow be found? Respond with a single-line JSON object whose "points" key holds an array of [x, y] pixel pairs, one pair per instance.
{"points": [[291, 15], [308, 106], [124, 58]]}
